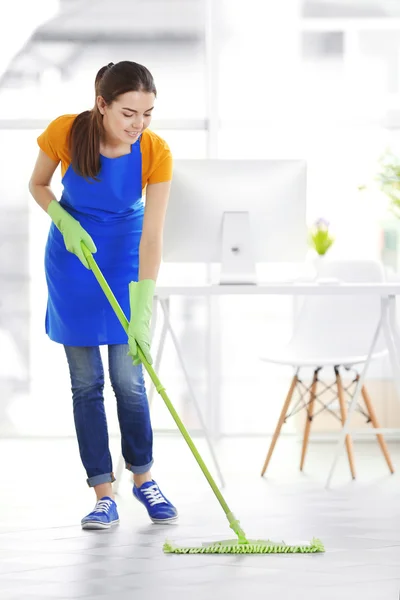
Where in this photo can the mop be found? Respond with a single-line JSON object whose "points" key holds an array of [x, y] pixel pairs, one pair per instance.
{"points": [[241, 545]]}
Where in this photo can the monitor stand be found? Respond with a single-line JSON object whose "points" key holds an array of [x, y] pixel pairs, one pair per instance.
{"points": [[237, 260]]}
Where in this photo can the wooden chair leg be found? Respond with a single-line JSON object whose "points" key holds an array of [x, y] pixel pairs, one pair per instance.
{"points": [[280, 423], [343, 411], [310, 412], [375, 423]]}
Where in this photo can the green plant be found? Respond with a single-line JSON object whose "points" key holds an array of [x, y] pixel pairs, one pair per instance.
{"points": [[388, 179], [319, 237]]}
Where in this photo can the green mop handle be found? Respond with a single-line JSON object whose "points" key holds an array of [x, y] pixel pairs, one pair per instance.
{"points": [[234, 523]]}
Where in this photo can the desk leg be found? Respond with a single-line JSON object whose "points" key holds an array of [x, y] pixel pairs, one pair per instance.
{"points": [[392, 338], [393, 321], [154, 317], [214, 367], [161, 344], [190, 388], [354, 400]]}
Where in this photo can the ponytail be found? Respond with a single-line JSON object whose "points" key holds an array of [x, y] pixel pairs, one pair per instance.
{"points": [[85, 143]]}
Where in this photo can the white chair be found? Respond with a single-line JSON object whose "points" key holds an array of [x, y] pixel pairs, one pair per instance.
{"points": [[336, 332]]}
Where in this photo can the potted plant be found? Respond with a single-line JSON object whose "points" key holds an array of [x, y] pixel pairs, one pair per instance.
{"points": [[388, 179], [320, 238], [386, 182]]}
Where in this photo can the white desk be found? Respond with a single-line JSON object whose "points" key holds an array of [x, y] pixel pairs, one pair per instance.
{"points": [[292, 289], [387, 323]]}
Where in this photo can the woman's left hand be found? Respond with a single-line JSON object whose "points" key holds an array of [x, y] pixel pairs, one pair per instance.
{"points": [[141, 302]]}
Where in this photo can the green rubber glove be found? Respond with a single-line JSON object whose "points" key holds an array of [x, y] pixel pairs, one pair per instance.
{"points": [[141, 302], [72, 231]]}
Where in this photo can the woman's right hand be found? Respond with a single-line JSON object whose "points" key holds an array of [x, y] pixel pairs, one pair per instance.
{"points": [[73, 232]]}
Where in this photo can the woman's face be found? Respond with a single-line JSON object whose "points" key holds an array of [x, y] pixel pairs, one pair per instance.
{"points": [[127, 117]]}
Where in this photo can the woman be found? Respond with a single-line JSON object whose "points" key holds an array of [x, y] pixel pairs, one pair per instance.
{"points": [[108, 156]]}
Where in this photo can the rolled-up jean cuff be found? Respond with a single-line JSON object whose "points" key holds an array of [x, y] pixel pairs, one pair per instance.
{"points": [[139, 470], [99, 479]]}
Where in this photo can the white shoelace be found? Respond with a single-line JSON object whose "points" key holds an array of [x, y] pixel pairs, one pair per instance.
{"points": [[102, 506], [154, 495]]}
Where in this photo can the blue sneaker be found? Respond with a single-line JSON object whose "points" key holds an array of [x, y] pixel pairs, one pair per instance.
{"points": [[103, 516], [159, 508]]}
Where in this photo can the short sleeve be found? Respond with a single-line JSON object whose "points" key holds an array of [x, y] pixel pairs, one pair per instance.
{"points": [[54, 139], [164, 166], [49, 140]]}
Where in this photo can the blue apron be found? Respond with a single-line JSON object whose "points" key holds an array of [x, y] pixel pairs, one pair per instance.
{"points": [[111, 210]]}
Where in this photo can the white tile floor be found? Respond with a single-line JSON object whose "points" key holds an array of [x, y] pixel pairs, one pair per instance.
{"points": [[45, 554]]}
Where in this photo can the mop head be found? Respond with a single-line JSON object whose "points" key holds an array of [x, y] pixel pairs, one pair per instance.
{"points": [[250, 547]]}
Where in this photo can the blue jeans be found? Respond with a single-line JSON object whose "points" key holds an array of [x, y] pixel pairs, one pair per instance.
{"points": [[87, 381]]}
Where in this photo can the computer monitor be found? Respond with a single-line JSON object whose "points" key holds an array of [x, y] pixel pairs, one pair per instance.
{"points": [[237, 213]]}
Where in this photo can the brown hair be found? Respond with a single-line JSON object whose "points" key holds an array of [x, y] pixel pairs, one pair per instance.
{"points": [[87, 129]]}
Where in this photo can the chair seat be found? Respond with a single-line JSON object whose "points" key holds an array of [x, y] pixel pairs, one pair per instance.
{"points": [[293, 357]]}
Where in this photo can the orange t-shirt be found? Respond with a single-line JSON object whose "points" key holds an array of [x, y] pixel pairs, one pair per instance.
{"points": [[156, 155]]}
